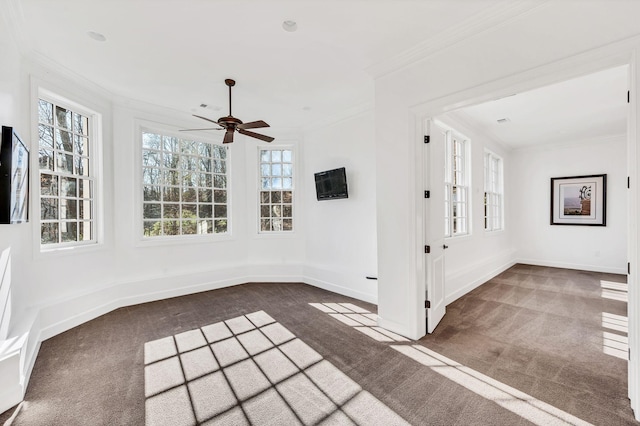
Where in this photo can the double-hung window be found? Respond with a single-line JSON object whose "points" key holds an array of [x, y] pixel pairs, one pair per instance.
{"points": [[456, 191], [493, 192], [184, 186], [67, 150], [276, 190]]}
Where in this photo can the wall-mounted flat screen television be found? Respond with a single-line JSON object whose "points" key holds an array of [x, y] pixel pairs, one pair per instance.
{"points": [[14, 178], [331, 184]]}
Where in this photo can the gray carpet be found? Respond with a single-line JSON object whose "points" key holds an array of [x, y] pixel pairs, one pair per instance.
{"points": [[251, 370], [271, 356], [559, 335]]}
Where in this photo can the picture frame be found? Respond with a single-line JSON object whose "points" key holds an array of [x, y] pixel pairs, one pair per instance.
{"points": [[579, 200], [14, 178]]}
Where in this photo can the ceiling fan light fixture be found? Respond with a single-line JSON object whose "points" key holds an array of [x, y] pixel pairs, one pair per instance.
{"points": [[290, 26]]}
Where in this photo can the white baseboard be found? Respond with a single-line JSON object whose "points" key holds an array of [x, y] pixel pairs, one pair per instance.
{"points": [[11, 391], [576, 266], [18, 355], [63, 314], [396, 328], [345, 291], [68, 313], [331, 280], [477, 274]]}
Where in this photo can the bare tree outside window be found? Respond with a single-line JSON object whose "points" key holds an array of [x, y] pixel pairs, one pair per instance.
{"points": [[67, 182], [184, 186], [276, 190]]}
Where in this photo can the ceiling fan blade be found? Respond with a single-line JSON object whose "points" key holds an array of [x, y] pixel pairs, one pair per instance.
{"points": [[253, 125], [208, 119], [228, 137], [207, 128], [256, 135]]}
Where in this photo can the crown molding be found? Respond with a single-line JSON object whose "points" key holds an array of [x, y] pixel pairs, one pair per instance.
{"points": [[339, 117], [486, 20], [44, 68], [461, 118], [13, 16], [571, 143]]}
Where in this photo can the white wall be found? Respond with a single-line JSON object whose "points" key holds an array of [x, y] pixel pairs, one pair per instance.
{"points": [[12, 115], [58, 290], [77, 270], [513, 53], [579, 247], [18, 349], [125, 269], [341, 234], [473, 259]]}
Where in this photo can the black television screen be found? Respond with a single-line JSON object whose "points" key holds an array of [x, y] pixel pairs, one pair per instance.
{"points": [[14, 178], [331, 184]]}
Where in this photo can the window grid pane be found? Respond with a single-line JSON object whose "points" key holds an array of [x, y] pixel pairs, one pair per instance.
{"points": [[493, 199], [456, 185], [66, 178], [276, 190], [184, 187]]}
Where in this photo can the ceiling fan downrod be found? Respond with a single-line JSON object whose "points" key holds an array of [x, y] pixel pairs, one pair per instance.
{"points": [[229, 82]]}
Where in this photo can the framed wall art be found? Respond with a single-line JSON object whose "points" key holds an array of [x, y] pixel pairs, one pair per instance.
{"points": [[579, 200]]}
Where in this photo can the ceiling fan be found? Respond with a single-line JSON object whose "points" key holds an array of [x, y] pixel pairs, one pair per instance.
{"points": [[232, 124]]}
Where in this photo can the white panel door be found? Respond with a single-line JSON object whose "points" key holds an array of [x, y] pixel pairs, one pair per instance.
{"points": [[434, 226]]}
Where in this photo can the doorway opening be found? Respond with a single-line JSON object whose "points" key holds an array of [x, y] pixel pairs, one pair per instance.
{"points": [[573, 128]]}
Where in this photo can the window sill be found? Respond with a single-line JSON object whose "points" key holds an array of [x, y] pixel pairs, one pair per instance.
{"points": [[458, 238], [67, 250], [183, 240], [276, 234]]}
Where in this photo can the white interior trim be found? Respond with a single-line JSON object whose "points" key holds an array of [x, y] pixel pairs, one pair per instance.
{"points": [[625, 52], [633, 155]]}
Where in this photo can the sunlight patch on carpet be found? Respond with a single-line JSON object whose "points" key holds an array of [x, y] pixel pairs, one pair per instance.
{"points": [[614, 291], [615, 344], [360, 319], [526, 406], [252, 370]]}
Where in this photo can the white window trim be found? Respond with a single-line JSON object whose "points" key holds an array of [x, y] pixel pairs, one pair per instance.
{"points": [[139, 239], [491, 154], [467, 181], [295, 204], [95, 162]]}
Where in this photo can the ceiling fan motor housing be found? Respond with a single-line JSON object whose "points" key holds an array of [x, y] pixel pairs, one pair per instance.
{"points": [[229, 122]]}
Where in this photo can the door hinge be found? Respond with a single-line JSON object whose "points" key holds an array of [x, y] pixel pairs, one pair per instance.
{"points": [[629, 354], [427, 249], [628, 182], [427, 304], [628, 96], [427, 194], [427, 138], [628, 268]]}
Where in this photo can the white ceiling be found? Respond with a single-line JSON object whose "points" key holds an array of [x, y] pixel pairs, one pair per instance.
{"points": [[177, 53], [585, 108]]}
